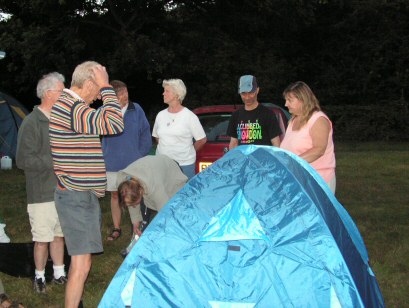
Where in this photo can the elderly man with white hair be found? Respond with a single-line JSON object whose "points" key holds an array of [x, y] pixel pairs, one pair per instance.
{"points": [[79, 165], [34, 157]]}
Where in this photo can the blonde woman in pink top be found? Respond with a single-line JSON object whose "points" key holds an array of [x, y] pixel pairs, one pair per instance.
{"points": [[309, 132]]}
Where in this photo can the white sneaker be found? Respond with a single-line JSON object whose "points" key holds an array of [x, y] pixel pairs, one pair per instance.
{"points": [[3, 236]]}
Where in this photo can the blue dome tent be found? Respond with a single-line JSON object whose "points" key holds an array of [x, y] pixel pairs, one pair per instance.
{"points": [[258, 228]]}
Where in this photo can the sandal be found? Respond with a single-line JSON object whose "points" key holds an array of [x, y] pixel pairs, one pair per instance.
{"points": [[115, 234]]}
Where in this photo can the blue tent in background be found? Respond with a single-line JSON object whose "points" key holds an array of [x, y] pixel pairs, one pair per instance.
{"points": [[12, 113], [258, 228]]}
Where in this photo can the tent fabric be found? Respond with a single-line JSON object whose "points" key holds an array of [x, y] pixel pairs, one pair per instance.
{"points": [[12, 114], [258, 228]]}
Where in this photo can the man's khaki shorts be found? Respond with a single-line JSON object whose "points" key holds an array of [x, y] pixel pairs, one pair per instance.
{"points": [[44, 221], [111, 181]]}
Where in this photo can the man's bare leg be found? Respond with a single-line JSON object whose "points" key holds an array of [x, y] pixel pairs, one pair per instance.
{"points": [[40, 255], [57, 250], [79, 270]]}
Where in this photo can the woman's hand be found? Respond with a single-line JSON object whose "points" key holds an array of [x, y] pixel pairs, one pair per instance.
{"points": [[136, 229], [199, 144]]}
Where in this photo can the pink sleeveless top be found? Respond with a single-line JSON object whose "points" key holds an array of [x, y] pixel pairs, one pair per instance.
{"points": [[299, 141]]}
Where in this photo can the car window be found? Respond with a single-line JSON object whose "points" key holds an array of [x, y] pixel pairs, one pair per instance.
{"points": [[215, 126]]}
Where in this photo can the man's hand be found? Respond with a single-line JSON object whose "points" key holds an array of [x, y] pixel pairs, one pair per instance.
{"points": [[101, 77], [234, 142]]}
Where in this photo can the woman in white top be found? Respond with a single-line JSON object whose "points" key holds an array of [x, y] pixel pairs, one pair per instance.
{"points": [[177, 130]]}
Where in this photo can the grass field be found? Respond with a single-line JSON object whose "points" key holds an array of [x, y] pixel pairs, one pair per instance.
{"points": [[372, 184]]}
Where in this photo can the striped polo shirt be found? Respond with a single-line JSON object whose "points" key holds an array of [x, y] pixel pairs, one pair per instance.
{"points": [[75, 143]]}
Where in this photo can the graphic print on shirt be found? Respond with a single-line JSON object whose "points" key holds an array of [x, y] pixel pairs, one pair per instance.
{"points": [[249, 132]]}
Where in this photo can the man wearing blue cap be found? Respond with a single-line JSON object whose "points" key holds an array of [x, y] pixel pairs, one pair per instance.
{"points": [[255, 123]]}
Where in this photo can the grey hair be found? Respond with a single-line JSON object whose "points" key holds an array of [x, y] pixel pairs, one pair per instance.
{"points": [[177, 86], [48, 82], [83, 72], [118, 85]]}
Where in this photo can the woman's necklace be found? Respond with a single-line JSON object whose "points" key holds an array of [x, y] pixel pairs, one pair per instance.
{"points": [[172, 115], [170, 121], [171, 118]]}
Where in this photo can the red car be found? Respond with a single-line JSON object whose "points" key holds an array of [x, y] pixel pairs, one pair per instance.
{"points": [[215, 120]]}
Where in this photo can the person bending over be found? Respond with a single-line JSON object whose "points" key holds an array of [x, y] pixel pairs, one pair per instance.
{"points": [[149, 182]]}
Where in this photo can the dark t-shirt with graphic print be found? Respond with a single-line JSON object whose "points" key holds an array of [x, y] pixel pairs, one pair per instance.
{"points": [[257, 126]]}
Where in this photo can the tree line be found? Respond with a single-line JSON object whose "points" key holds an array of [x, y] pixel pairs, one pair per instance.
{"points": [[351, 52]]}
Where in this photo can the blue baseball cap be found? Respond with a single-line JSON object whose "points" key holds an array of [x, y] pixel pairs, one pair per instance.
{"points": [[247, 83]]}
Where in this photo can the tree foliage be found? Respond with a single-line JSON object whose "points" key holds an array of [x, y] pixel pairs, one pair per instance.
{"points": [[350, 52]]}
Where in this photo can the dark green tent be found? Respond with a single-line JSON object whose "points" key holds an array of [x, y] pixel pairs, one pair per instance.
{"points": [[12, 114]]}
